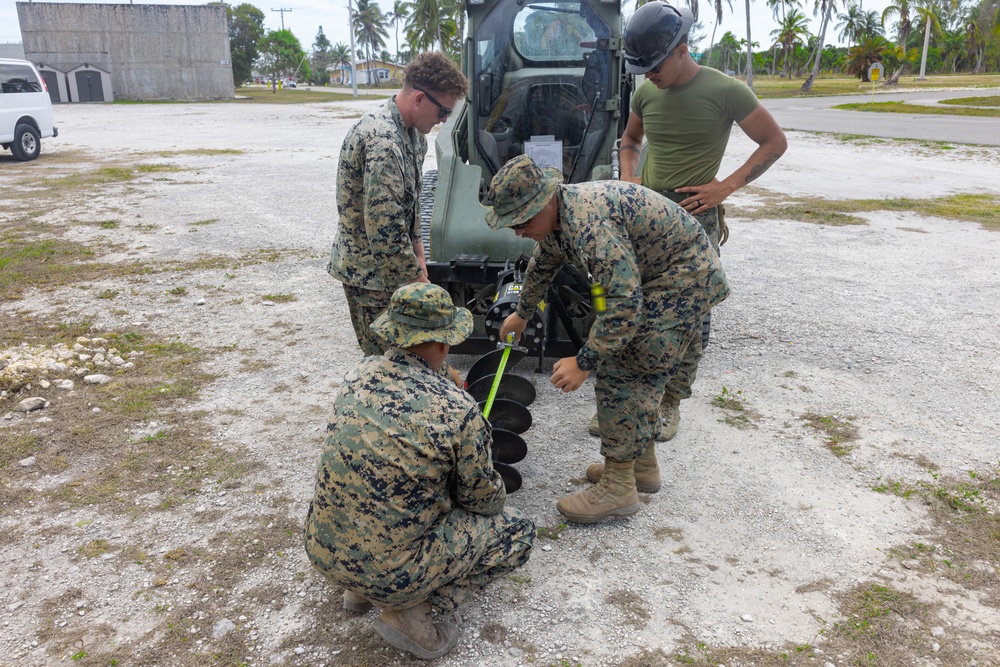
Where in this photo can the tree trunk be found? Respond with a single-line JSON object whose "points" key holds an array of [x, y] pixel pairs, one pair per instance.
{"points": [[749, 51], [807, 86], [711, 45], [894, 79], [927, 41]]}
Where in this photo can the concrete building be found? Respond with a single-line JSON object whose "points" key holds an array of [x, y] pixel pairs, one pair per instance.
{"points": [[140, 52], [12, 50]]}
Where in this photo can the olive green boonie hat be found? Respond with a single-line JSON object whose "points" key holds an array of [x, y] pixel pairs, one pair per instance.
{"points": [[519, 191], [421, 313]]}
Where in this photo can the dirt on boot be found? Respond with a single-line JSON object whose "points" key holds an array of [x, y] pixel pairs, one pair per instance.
{"points": [[412, 630], [647, 472], [614, 496]]}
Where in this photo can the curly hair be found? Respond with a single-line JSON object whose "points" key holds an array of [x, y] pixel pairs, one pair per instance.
{"points": [[434, 71]]}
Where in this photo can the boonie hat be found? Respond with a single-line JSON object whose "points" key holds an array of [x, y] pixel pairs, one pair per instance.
{"points": [[519, 191], [421, 313]]}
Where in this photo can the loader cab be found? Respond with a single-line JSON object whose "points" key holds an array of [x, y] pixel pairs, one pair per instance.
{"points": [[542, 82]]}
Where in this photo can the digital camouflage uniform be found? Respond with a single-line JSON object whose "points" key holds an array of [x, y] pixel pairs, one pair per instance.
{"points": [[661, 276], [378, 186], [407, 505]]}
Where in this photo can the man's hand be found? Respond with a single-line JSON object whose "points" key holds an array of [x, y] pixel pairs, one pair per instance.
{"points": [[513, 324], [566, 375], [456, 377], [701, 198]]}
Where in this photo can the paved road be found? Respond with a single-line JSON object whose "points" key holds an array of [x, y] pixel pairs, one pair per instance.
{"points": [[815, 114]]}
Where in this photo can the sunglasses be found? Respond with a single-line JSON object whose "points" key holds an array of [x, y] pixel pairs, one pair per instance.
{"points": [[520, 226], [656, 69], [443, 111]]}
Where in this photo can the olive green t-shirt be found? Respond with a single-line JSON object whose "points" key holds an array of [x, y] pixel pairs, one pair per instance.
{"points": [[687, 127]]}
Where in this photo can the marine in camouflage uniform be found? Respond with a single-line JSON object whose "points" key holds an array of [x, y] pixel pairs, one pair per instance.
{"points": [[378, 183], [657, 268], [408, 507], [378, 246], [686, 111]]}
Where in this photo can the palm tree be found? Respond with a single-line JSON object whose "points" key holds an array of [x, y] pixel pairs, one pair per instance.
{"points": [[729, 46], [928, 13], [423, 28], [775, 5], [717, 5], [851, 25], [868, 50], [825, 7], [901, 9], [400, 12], [340, 55], [794, 29], [369, 28], [975, 42]]}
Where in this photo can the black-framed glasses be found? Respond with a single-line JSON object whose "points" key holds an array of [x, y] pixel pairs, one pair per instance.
{"points": [[522, 225], [443, 111]]}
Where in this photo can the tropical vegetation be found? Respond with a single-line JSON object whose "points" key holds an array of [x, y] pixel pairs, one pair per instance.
{"points": [[925, 36]]}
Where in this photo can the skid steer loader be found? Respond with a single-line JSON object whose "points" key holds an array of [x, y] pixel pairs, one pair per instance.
{"points": [[546, 78]]}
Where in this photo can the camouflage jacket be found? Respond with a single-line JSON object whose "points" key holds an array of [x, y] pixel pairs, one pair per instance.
{"points": [[378, 186], [641, 248], [404, 447]]}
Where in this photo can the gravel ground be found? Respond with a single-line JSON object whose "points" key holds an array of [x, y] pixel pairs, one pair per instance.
{"points": [[893, 324]]}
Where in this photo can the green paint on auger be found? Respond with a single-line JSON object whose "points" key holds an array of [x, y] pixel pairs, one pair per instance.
{"points": [[507, 345]]}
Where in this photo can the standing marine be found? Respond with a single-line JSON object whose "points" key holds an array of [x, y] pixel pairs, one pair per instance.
{"points": [[660, 275], [378, 247]]}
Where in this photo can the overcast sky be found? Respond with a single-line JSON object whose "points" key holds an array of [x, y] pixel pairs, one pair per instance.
{"points": [[306, 16]]}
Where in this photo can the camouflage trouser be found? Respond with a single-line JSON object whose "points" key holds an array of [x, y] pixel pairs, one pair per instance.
{"points": [[457, 558], [629, 387], [365, 306], [679, 386]]}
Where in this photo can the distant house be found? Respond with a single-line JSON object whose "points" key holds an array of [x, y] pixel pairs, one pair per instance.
{"points": [[370, 72]]}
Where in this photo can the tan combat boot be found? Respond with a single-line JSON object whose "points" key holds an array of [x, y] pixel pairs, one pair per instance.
{"points": [[670, 418], [356, 602], [411, 630], [665, 431], [614, 495], [647, 472]]}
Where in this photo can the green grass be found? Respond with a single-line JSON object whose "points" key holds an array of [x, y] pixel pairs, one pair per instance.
{"points": [[980, 208], [837, 431], [734, 407], [903, 107], [280, 298], [991, 101], [771, 87], [300, 95]]}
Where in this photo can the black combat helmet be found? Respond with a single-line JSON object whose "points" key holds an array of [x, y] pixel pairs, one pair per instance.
{"points": [[652, 33]]}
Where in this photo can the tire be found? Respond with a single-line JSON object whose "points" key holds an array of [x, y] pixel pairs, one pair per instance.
{"points": [[27, 143], [706, 330], [428, 189]]}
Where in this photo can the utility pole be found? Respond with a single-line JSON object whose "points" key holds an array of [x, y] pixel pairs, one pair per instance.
{"points": [[354, 57], [282, 15]]}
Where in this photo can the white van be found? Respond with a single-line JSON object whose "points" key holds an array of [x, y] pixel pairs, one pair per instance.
{"points": [[25, 109]]}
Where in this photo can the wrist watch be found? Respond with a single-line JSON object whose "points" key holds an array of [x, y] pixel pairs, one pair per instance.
{"points": [[584, 363]]}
